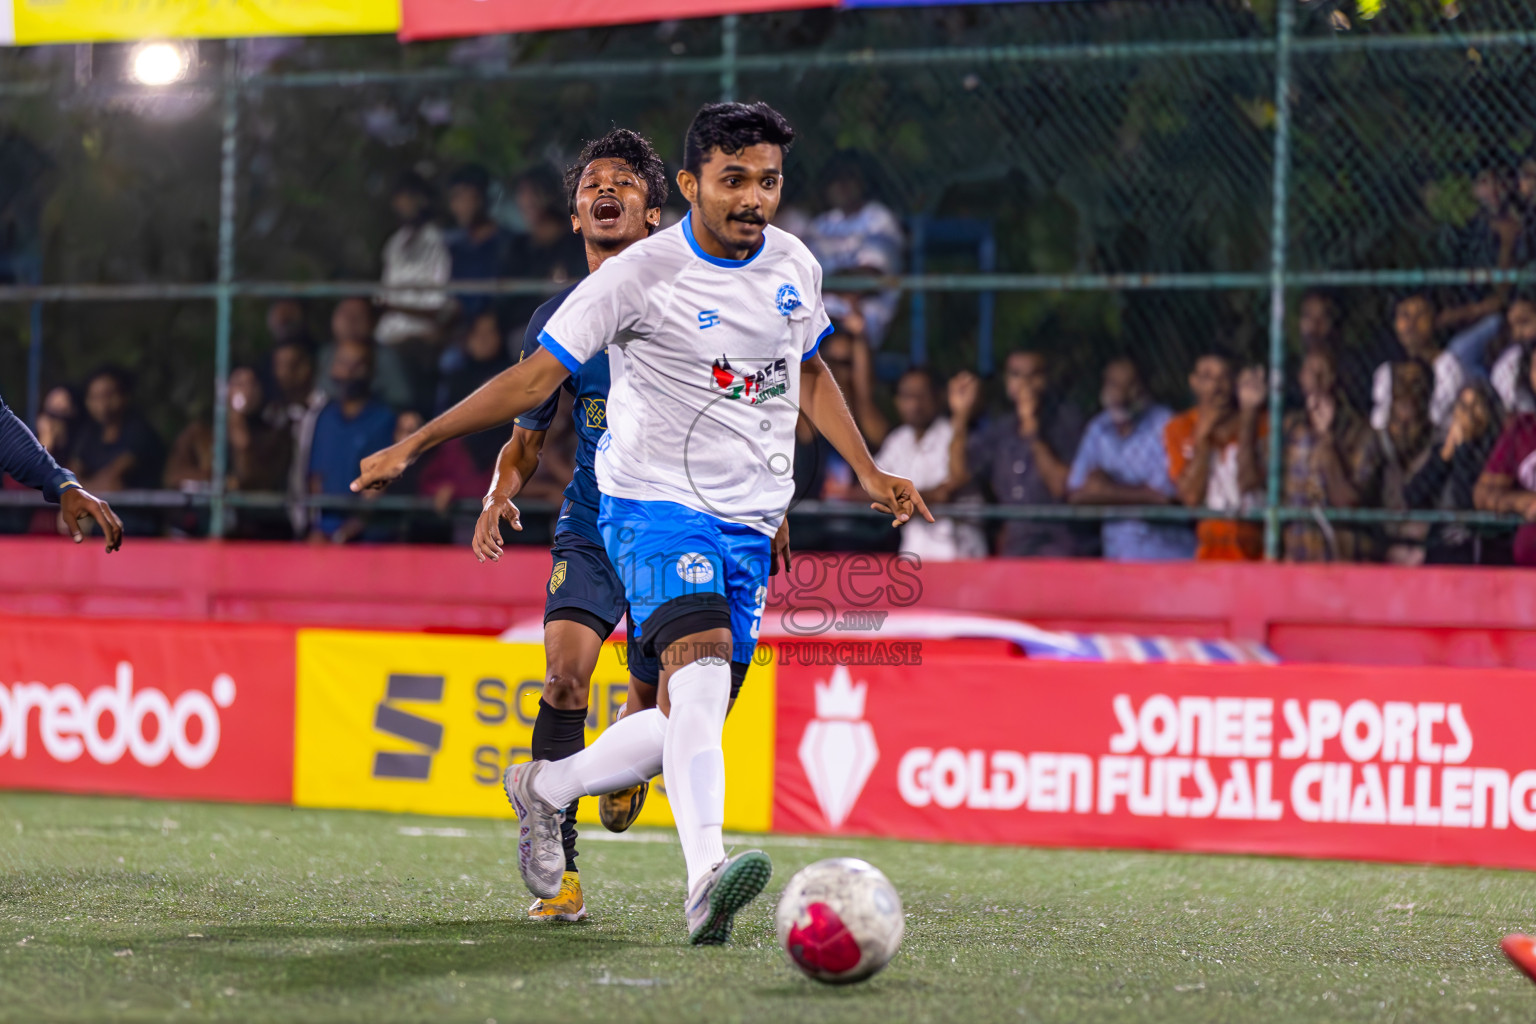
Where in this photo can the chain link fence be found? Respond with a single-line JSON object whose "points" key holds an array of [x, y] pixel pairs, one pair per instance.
{"points": [[1342, 194]]}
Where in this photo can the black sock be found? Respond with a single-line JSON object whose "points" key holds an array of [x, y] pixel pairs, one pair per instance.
{"points": [[557, 734]]}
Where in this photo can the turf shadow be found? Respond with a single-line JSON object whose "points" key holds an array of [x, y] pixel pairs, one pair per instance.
{"points": [[303, 958]]}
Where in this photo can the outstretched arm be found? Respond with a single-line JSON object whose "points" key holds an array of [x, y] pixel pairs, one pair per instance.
{"points": [[25, 459], [824, 405], [509, 394], [518, 461], [23, 456]]}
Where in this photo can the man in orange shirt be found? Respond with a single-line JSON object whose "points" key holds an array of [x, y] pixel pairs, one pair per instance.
{"points": [[1216, 455]]}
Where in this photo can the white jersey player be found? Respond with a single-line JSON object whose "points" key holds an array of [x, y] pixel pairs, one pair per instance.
{"points": [[718, 320]]}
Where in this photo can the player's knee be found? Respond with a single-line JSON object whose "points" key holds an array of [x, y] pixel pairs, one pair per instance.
{"points": [[565, 690], [689, 629]]}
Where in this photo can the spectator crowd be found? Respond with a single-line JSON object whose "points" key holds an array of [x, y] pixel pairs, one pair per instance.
{"points": [[1443, 417]]}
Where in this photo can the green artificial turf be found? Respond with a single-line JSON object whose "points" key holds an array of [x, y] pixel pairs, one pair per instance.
{"points": [[135, 910]]}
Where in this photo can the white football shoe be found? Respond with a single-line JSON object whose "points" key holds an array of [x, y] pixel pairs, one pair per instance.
{"points": [[540, 852], [717, 899]]}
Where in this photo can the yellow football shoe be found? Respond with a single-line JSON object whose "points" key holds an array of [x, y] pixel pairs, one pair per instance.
{"points": [[619, 810], [567, 906]]}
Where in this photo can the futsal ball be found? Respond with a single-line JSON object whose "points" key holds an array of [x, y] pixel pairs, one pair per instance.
{"points": [[840, 920]]}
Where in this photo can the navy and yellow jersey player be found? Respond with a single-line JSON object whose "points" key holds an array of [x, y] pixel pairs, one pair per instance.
{"points": [[616, 190], [24, 459], [588, 388]]}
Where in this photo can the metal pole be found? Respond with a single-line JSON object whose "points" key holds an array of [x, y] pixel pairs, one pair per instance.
{"points": [[728, 27], [918, 320], [34, 276], [986, 307], [35, 363], [1277, 252], [222, 313]]}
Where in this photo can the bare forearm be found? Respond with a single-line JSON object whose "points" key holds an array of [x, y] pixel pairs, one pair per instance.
{"points": [[870, 420], [1250, 461], [829, 414], [1103, 492], [1498, 494], [959, 467], [1196, 478], [113, 475], [244, 454], [1460, 316], [1337, 485], [515, 466], [860, 399], [1052, 470], [240, 463], [505, 396]]}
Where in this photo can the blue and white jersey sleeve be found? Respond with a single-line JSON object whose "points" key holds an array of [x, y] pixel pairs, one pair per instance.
{"points": [[821, 323], [542, 415], [610, 306], [706, 356]]}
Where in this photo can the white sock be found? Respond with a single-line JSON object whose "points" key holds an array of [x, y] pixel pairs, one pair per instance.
{"points": [[694, 763], [626, 754]]}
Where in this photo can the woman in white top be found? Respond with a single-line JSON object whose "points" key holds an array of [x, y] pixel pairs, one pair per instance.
{"points": [[1509, 382]]}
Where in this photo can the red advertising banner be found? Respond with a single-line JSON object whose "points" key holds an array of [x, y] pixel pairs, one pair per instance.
{"points": [[199, 710], [1411, 764], [433, 19]]}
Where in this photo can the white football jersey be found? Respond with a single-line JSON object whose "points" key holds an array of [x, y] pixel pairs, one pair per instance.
{"points": [[703, 411]]}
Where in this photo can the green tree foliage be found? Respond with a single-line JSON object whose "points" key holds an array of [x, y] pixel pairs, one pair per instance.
{"points": [[1083, 161]]}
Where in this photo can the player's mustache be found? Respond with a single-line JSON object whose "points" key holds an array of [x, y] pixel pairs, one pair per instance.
{"points": [[748, 218]]}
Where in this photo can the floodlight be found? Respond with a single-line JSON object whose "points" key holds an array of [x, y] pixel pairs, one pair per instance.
{"points": [[158, 63]]}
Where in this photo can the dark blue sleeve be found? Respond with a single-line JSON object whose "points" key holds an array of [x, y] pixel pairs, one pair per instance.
{"points": [[25, 459], [543, 414]]}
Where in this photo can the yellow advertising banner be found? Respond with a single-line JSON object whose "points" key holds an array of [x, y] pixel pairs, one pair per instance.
{"points": [[427, 724], [85, 21]]}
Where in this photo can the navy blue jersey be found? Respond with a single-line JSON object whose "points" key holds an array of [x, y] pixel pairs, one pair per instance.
{"points": [[28, 462], [589, 386]]}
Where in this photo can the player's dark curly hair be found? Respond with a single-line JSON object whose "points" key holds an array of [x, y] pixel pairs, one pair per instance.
{"points": [[731, 128], [631, 147]]}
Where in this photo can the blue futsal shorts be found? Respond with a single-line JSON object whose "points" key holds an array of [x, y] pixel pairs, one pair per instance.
{"points": [[584, 588], [684, 571]]}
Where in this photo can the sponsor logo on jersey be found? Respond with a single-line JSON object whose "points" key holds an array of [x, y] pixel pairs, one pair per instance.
{"points": [[788, 299], [595, 411], [708, 318], [695, 568], [558, 576], [769, 382]]}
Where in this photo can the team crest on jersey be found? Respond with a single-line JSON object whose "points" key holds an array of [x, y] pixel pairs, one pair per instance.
{"points": [[595, 410], [753, 388], [557, 577], [788, 299]]}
